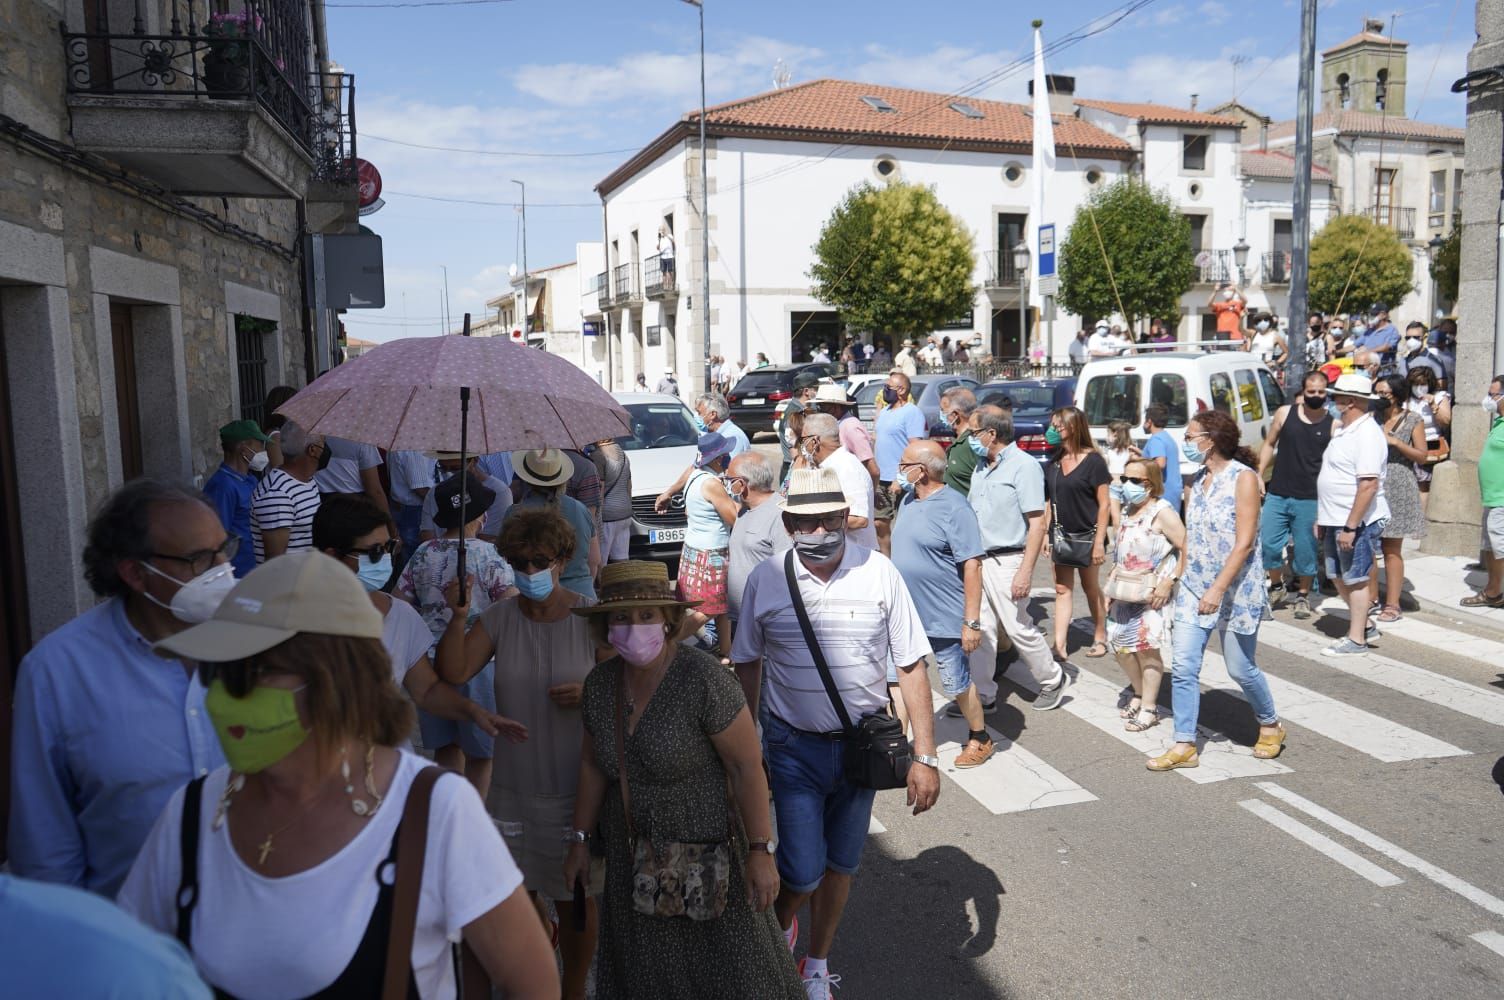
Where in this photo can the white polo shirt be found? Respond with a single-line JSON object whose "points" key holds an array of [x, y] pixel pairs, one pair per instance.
{"points": [[863, 618], [1355, 452], [856, 483]]}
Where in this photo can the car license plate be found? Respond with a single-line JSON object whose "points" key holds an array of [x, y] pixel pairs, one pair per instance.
{"points": [[757, 401], [661, 536]]}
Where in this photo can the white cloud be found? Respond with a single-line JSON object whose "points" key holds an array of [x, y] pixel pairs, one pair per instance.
{"points": [[1213, 12], [1168, 17], [1429, 73], [944, 68], [668, 77], [1265, 84]]}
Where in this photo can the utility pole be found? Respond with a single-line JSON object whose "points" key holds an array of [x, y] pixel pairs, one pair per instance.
{"points": [[704, 201], [445, 303], [527, 317], [1300, 257]]}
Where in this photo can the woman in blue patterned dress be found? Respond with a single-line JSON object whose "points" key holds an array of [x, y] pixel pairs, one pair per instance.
{"points": [[1223, 586]]}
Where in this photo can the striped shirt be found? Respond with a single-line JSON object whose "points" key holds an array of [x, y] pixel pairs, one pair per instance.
{"points": [[281, 501], [863, 618]]}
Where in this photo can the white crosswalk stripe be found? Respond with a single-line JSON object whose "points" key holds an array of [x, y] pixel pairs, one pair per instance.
{"points": [[1437, 636]]}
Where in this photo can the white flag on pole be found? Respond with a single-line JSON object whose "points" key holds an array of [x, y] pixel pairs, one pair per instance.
{"points": [[1044, 165]]}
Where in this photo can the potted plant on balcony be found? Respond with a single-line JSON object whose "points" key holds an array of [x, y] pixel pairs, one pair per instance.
{"points": [[227, 64]]}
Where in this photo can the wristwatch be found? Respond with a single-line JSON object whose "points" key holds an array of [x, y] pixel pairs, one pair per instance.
{"points": [[578, 836], [761, 846], [926, 759], [971, 624]]}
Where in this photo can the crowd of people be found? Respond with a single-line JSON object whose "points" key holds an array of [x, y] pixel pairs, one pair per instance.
{"points": [[653, 778]]}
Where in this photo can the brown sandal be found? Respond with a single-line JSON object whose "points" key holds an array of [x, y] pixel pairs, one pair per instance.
{"points": [[1096, 650], [1482, 600], [1390, 613]]}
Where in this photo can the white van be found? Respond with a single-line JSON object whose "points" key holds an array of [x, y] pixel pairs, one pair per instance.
{"points": [[1186, 382]]}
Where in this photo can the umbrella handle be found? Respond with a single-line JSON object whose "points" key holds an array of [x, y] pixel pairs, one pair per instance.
{"points": [[464, 471]]}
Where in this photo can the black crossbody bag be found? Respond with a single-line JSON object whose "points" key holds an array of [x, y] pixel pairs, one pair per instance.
{"points": [[877, 753]]}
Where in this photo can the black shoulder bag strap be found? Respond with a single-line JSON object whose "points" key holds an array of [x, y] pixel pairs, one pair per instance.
{"points": [[187, 897], [814, 646]]}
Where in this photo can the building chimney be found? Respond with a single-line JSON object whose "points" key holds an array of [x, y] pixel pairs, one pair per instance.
{"points": [[1263, 135], [1062, 91], [1194, 97]]}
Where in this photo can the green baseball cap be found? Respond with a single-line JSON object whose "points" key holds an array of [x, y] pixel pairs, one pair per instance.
{"points": [[241, 430]]}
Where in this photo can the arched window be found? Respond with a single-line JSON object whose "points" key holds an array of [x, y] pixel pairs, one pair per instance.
{"points": [[1381, 89], [1344, 91]]}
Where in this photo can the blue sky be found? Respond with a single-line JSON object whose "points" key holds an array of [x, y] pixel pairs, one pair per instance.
{"points": [[584, 76]]}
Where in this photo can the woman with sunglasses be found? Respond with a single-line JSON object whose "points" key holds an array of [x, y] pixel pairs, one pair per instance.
{"points": [[542, 655], [457, 745], [1076, 485], [1149, 530], [270, 870], [1222, 589], [353, 530], [1406, 434]]}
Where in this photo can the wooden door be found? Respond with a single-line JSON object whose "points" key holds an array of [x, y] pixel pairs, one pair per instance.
{"points": [[15, 629], [127, 403]]}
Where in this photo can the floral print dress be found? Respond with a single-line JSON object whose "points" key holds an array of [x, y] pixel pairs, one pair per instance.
{"points": [[1140, 547], [1211, 529]]}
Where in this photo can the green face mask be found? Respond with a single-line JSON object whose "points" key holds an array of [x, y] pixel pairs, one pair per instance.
{"points": [[1052, 437], [258, 730]]}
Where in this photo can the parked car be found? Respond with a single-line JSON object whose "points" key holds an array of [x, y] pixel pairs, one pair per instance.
{"points": [[1236, 382], [755, 397], [1034, 399], [926, 390], [660, 447]]}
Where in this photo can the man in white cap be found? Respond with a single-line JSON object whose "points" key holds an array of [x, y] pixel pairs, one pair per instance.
{"points": [[861, 614], [544, 474], [668, 384], [1351, 509], [1101, 343]]}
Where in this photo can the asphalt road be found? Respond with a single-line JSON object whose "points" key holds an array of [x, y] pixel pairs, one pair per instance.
{"points": [[1368, 861]]}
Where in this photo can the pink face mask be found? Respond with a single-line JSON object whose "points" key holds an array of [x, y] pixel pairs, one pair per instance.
{"points": [[639, 645]]}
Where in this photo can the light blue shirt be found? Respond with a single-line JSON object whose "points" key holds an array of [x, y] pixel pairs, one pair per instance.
{"points": [[739, 442], [105, 732], [230, 492], [705, 530], [1003, 491], [62, 942], [498, 464], [896, 427]]}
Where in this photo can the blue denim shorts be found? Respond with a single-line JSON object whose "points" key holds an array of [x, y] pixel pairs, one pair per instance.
{"points": [[822, 817], [470, 738], [954, 665], [1353, 565]]}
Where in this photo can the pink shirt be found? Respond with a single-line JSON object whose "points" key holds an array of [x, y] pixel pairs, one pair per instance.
{"points": [[854, 438]]}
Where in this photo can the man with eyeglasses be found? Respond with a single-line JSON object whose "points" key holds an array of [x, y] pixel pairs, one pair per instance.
{"points": [[105, 729], [1297, 440], [758, 533]]}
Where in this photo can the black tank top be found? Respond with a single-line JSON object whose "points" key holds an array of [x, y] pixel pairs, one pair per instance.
{"points": [[1297, 460], [364, 977]]}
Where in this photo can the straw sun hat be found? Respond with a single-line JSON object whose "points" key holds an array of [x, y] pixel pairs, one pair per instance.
{"points": [[636, 583]]}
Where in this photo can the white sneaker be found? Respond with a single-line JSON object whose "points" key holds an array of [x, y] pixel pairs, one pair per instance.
{"points": [[818, 987]]}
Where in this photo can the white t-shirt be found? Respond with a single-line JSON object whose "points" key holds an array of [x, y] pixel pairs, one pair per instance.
{"points": [[1102, 344], [856, 483], [1356, 452], [1117, 461], [1427, 413], [262, 938], [405, 635], [342, 475], [283, 501], [863, 617]]}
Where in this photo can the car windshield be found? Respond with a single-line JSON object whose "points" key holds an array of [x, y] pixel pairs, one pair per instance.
{"points": [[658, 425], [1032, 401]]}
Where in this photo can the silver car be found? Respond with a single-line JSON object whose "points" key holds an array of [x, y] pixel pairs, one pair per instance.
{"points": [[660, 447]]}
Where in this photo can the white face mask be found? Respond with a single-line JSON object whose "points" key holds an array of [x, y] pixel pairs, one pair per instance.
{"points": [[197, 599], [1263, 324], [1412, 345], [258, 461]]}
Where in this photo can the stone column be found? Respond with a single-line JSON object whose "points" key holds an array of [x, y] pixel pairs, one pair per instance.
{"points": [[1455, 509]]}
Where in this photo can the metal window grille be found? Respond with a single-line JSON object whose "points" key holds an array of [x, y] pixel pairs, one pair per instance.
{"points": [[250, 366]]}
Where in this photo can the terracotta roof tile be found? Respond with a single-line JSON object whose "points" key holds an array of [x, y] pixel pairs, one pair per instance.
{"points": [[836, 106], [1365, 36], [1276, 166], [1369, 123], [1159, 114]]}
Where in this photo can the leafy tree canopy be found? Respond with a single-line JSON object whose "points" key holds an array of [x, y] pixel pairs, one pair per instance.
{"points": [[1355, 262]]}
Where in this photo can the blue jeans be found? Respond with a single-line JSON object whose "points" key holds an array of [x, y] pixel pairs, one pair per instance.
{"points": [[409, 518], [1353, 566], [1189, 648], [1286, 518], [822, 817]]}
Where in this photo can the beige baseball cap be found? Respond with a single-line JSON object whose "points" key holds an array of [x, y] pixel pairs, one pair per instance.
{"points": [[298, 592]]}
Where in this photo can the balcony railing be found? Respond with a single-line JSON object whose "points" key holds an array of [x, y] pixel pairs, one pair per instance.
{"points": [[256, 52], [1401, 220], [603, 289], [658, 282], [624, 280], [1215, 267], [1001, 272], [333, 128], [1277, 267]]}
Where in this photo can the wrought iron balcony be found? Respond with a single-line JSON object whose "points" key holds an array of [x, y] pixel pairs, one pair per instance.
{"points": [[658, 282], [1401, 220], [1277, 267], [624, 280], [211, 101], [1001, 271], [1215, 267], [603, 289]]}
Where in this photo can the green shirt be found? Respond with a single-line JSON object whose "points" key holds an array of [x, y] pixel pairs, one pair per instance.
{"points": [[1491, 466], [959, 463]]}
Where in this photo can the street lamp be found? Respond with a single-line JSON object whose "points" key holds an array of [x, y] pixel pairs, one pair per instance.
{"points": [[704, 201], [1240, 258], [1021, 265], [527, 319]]}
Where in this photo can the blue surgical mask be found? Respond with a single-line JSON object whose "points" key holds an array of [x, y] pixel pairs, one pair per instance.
{"points": [[375, 575], [535, 586], [903, 483], [977, 448], [1192, 453], [1133, 494], [700, 424]]}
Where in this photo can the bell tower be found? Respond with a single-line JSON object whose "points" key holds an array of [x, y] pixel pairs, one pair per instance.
{"points": [[1365, 73]]}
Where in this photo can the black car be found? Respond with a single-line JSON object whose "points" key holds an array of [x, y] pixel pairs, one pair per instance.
{"points": [[1034, 399], [757, 394]]}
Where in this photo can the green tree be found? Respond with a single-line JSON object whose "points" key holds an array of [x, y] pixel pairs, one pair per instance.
{"points": [[894, 260], [1355, 262], [1448, 260], [1131, 236]]}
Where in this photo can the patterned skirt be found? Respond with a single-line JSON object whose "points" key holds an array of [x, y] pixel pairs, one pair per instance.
{"points": [[702, 577]]}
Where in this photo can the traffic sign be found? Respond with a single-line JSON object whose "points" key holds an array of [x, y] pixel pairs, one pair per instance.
{"points": [[367, 182], [1047, 250]]}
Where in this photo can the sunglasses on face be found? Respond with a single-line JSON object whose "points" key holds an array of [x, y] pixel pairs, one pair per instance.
{"points": [[1139, 480], [532, 563], [200, 562], [807, 523], [375, 552]]}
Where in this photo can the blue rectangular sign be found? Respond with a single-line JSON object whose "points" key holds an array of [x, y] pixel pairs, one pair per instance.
{"points": [[1047, 250], [590, 329]]}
